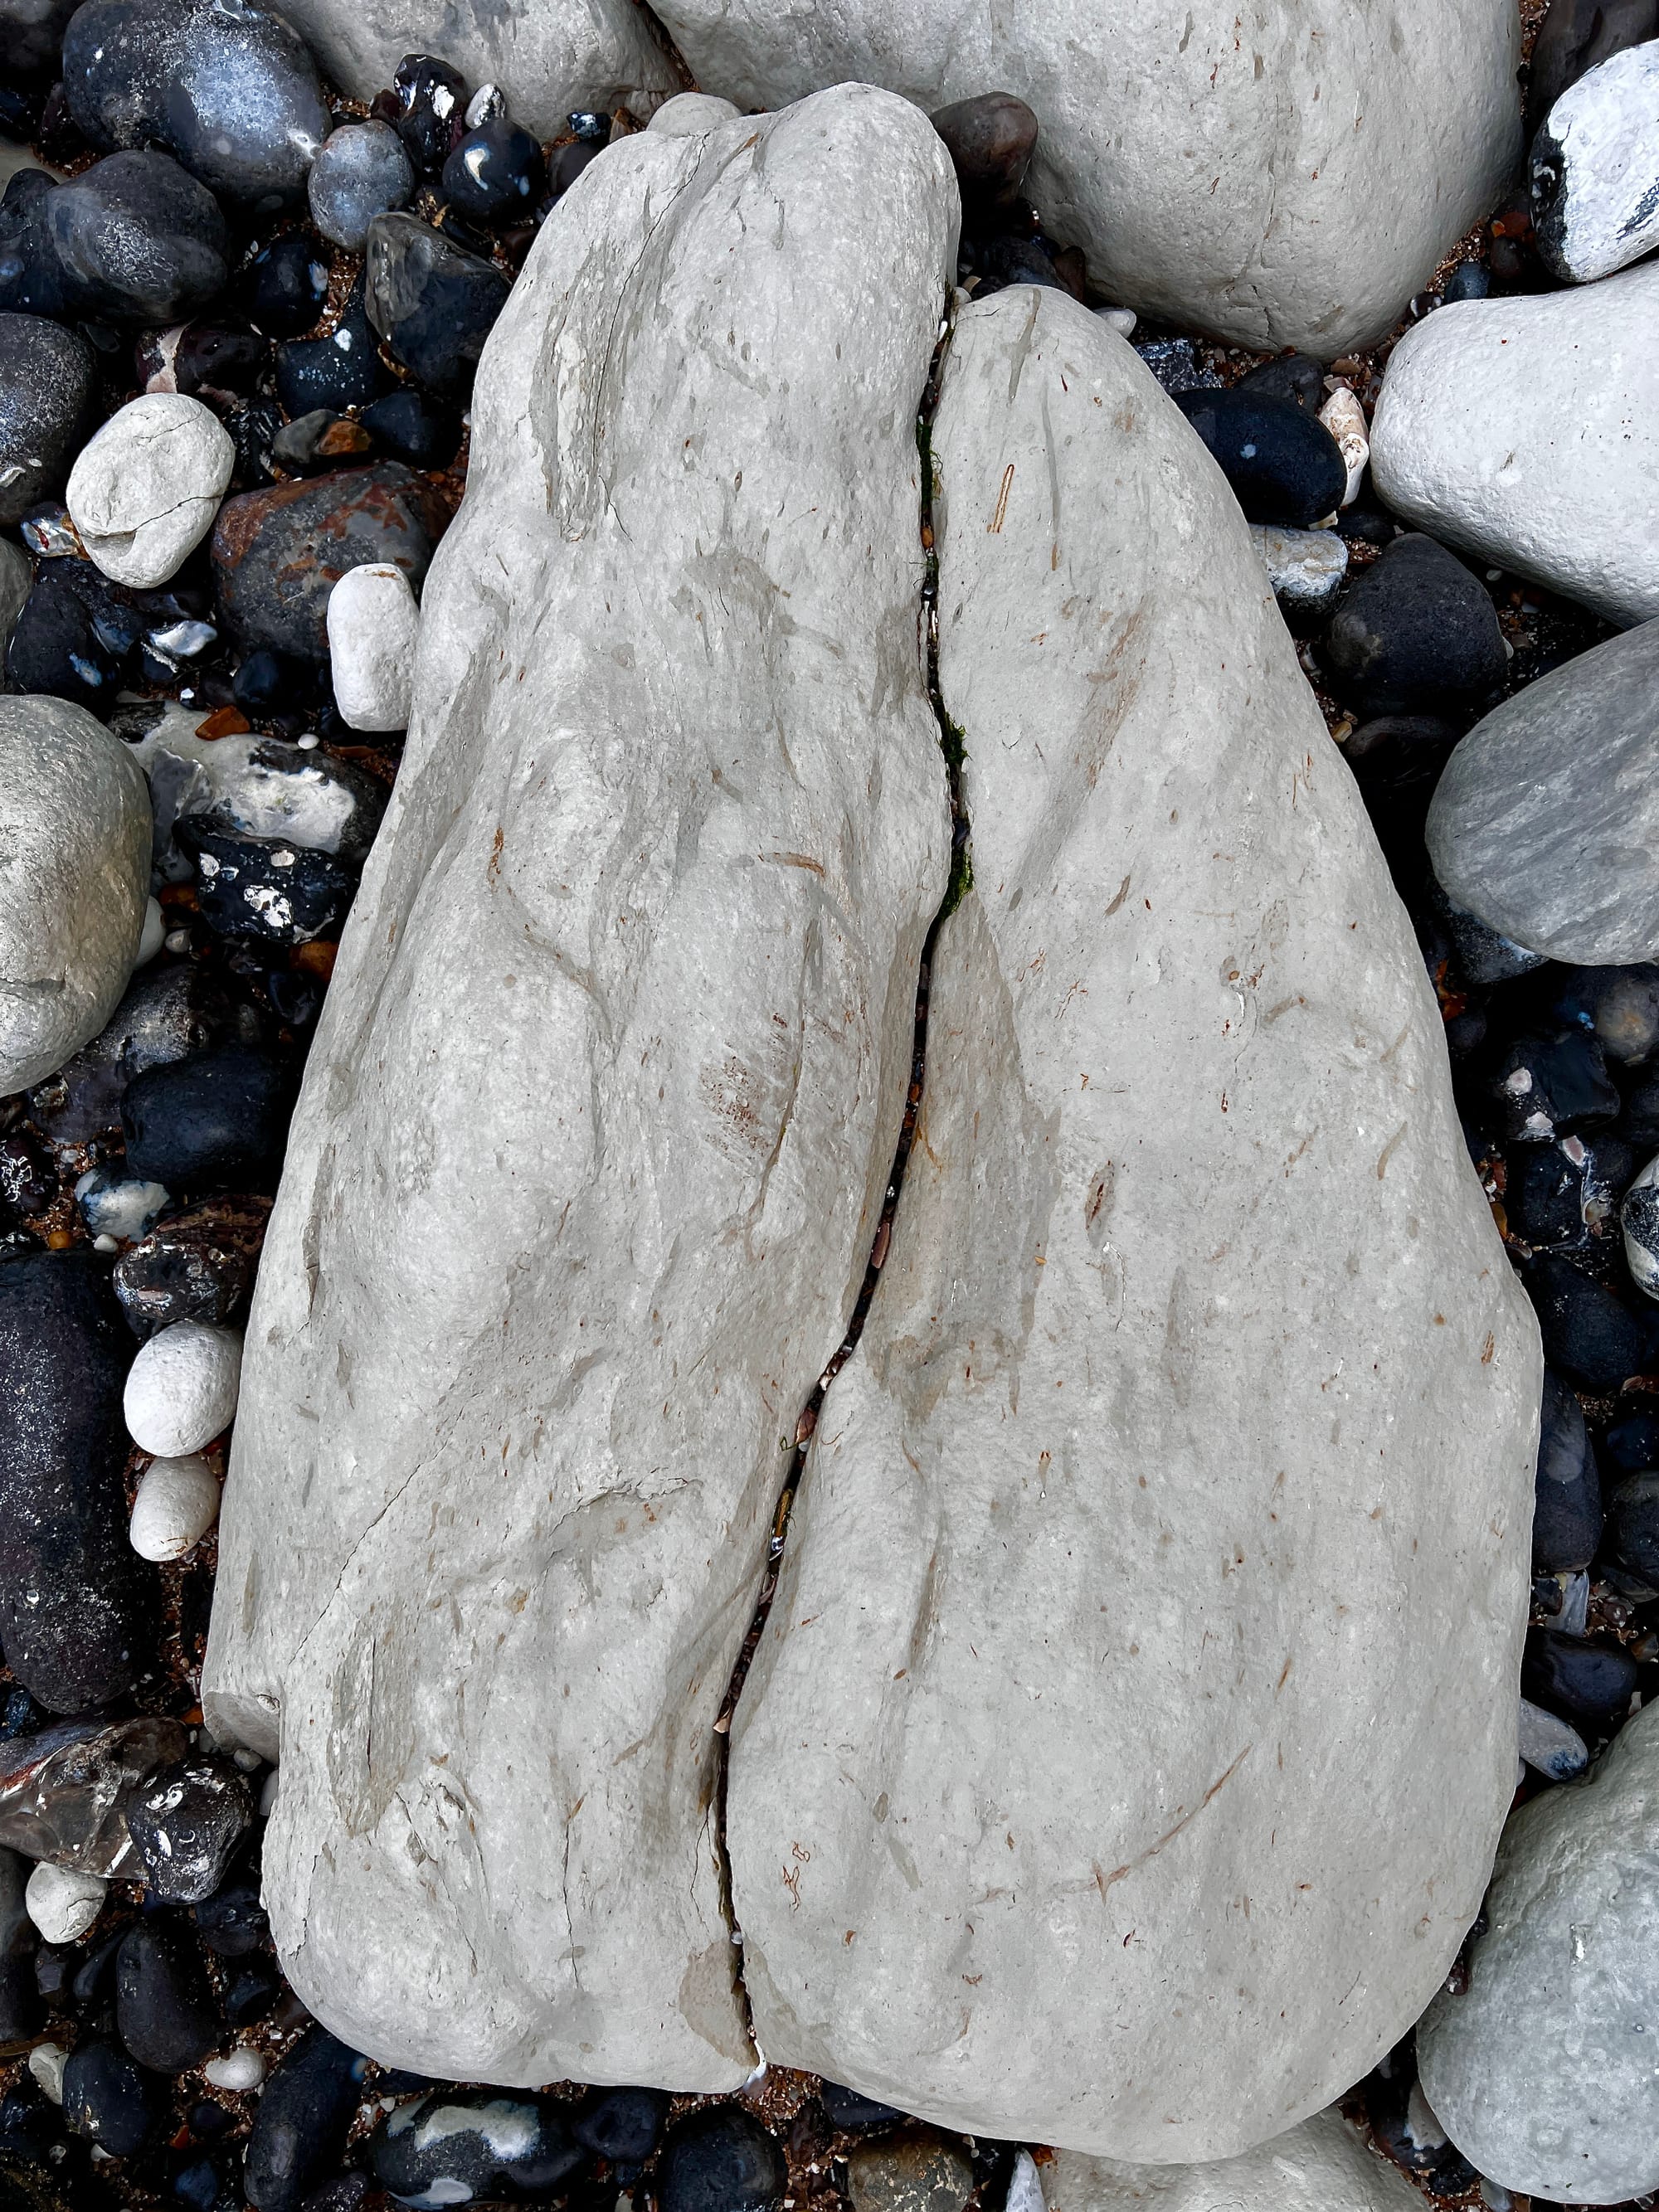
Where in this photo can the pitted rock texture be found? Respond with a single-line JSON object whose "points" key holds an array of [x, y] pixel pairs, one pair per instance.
{"points": [[1320, 2167], [548, 56], [1283, 176], [600, 1117], [1133, 1495]]}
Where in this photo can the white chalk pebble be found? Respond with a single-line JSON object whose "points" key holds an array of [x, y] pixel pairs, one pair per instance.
{"points": [[155, 932], [1345, 418], [144, 490], [242, 2068], [61, 1902], [178, 1502], [181, 1389], [373, 627], [46, 2063]]}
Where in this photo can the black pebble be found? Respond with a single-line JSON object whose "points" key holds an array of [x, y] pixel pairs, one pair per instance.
{"points": [[1632, 1443], [850, 2110], [1576, 37], [253, 428], [433, 303], [278, 893], [1556, 1195], [720, 2160], [431, 111], [1176, 364], [1638, 1117], [167, 1013], [76, 1601], [196, 1265], [1415, 634], [1587, 1684], [164, 2007], [299, 2127], [570, 163], [56, 647], [1566, 1525], [465, 2159], [413, 427], [1554, 1084], [20, 1995], [231, 1922], [218, 1120], [137, 239], [990, 139], [623, 2125], [1295, 376], [1596, 1341], [186, 1821], [496, 174], [286, 286], [251, 1993], [106, 2097], [1634, 1521], [1284, 464], [1468, 281], [47, 384], [340, 370]]}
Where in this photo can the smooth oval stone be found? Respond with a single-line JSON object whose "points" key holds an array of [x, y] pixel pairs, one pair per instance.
{"points": [[1566, 1525], [1415, 633], [1322, 2166], [1587, 1684], [137, 239], [277, 554], [452, 2148], [300, 2123], [990, 139], [1635, 1524], [623, 2126], [433, 303], [217, 1118], [165, 1013], [720, 2160], [340, 369], [1546, 822], [496, 174], [1283, 464], [230, 90], [164, 2008], [1593, 1338], [47, 381], [360, 171], [107, 2098]]}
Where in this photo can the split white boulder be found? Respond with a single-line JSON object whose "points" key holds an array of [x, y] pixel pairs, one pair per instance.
{"points": [[145, 489], [374, 631]]}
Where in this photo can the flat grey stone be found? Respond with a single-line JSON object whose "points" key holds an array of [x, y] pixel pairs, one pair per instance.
{"points": [[1288, 177], [599, 1117], [1526, 431], [1545, 822], [1133, 1500], [1320, 2166], [75, 840], [1594, 168], [1543, 2073], [547, 56]]}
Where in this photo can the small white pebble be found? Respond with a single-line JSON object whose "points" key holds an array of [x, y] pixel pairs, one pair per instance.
{"points": [[153, 935], [146, 487], [1121, 320], [242, 2068], [178, 1502], [309, 743], [181, 1389], [105, 1244], [61, 1902], [177, 940], [46, 2063], [373, 629], [249, 1761]]}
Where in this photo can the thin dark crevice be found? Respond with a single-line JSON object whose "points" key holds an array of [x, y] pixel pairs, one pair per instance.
{"points": [[961, 875]]}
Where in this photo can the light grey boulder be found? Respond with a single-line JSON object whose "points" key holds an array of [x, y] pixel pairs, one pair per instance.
{"points": [[1320, 2166], [1526, 431], [1545, 822], [74, 843], [1594, 168], [1130, 1642], [599, 1120], [547, 56], [1287, 179], [1543, 2072]]}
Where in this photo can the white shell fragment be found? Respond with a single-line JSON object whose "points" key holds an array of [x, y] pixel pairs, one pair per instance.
{"points": [[178, 1502], [1345, 418], [181, 1389], [242, 2068]]}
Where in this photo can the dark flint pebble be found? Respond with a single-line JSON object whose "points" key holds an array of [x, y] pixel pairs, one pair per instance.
{"points": [[496, 174], [92, 1978], [167, 1013], [1468, 281], [990, 139], [251, 1993], [1367, 525], [76, 1601], [853, 2112], [164, 2007], [195, 1266], [623, 2126], [64, 1790], [278, 554], [20, 1997], [1576, 37], [433, 303], [56, 648], [1004, 260], [341, 369], [186, 1821], [1634, 1525], [1587, 1334], [32, 34], [1587, 1684], [1284, 465], [413, 427], [285, 289], [517, 2144], [568, 163], [1415, 634], [216, 1121], [1295, 376], [231, 1922], [265, 681], [300, 2125], [137, 240], [321, 440], [720, 2160], [47, 384], [1566, 1525], [253, 429], [205, 2181], [275, 892], [1176, 364], [1556, 1196], [206, 361], [1632, 1443], [106, 2097], [31, 279], [1553, 1084], [432, 109]]}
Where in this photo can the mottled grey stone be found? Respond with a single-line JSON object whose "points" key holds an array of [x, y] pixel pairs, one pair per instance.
{"points": [[1543, 2074], [1134, 1493], [1545, 822]]}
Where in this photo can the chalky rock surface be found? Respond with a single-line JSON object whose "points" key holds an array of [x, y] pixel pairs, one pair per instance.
{"points": [[1543, 2072], [1189, 1291], [1546, 820], [74, 840], [548, 56], [1594, 166], [145, 489], [600, 1113], [1527, 431], [1320, 2167], [1288, 182]]}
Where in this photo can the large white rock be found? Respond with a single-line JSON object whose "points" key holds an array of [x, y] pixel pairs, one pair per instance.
{"points": [[145, 489], [1594, 166], [1320, 2166], [1281, 176], [1122, 1762], [1527, 431], [1543, 2074], [547, 56], [599, 1120], [75, 850]]}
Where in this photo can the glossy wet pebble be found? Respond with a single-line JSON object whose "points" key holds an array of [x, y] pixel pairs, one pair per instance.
{"points": [[186, 1823], [1283, 464], [286, 286], [340, 369], [495, 175], [916, 2170], [457, 2148], [433, 302], [214, 1119], [362, 171], [46, 386]]}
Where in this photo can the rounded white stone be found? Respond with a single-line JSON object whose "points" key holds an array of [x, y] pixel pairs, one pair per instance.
{"points": [[242, 2068], [153, 936], [181, 1389], [690, 113], [373, 627], [1121, 320], [46, 2063], [178, 1502], [61, 1902], [143, 492]]}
